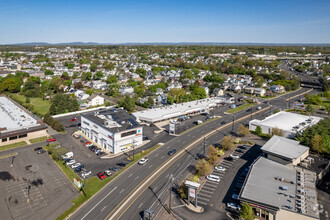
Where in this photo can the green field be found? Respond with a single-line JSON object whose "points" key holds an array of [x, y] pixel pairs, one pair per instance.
{"points": [[240, 108], [11, 146], [39, 139], [40, 105]]}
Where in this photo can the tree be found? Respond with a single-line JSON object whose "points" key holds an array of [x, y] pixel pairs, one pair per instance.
{"points": [[49, 72], [27, 100], [246, 212], [11, 84], [227, 142], [127, 103], [93, 67], [310, 109], [203, 167], [78, 85], [259, 130], [86, 76], [317, 144], [243, 130], [112, 79], [98, 75], [151, 101], [58, 152], [277, 131], [89, 92], [212, 154]]}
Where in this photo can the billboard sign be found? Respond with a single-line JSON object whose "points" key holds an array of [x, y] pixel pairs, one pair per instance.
{"points": [[192, 192], [77, 182]]}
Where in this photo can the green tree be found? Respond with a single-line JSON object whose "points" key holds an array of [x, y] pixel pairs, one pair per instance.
{"points": [[89, 92], [212, 155], [203, 167], [11, 84], [127, 103], [98, 75], [151, 101], [317, 144], [49, 72], [310, 109], [86, 76], [277, 131], [246, 212], [112, 79], [259, 130], [93, 67]]}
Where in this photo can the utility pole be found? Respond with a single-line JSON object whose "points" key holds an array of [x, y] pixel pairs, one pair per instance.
{"points": [[12, 161], [133, 145], [232, 129]]}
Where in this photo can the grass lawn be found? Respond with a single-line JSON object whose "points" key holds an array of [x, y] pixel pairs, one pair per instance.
{"points": [[94, 184], [39, 139], [11, 146], [40, 105], [240, 108]]}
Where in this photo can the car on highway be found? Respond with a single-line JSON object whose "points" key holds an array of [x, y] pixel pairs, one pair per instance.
{"points": [[234, 196], [115, 169], [220, 168], [121, 164], [223, 122], [41, 151], [234, 156], [107, 172], [143, 160], [70, 162], [213, 178], [171, 152], [37, 148], [259, 107], [51, 139], [75, 165], [86, 173], [101, 175], [233, 205]]}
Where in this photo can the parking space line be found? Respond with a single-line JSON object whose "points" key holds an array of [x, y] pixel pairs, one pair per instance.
{"points": [[211, 184], [201, 198], [204, 195], [140, 205], [205, 191], [208, 188], [199, 202]]}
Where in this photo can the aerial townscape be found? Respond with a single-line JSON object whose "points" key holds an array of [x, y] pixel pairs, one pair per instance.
{"points": [[135, 110]]}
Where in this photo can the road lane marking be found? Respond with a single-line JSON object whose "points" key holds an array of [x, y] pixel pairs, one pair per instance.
{"points": [[130, 175], [136, 177], [103, 208], [156, 155], [121, 191], [140, 205], [162, 157], [99, 202], [150, 166]]}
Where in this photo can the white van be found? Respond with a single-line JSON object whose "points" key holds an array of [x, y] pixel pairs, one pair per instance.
{"points": [[67, 155], [213, 178]]}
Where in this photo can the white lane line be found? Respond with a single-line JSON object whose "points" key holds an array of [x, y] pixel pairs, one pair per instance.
{"points": [[157, 155], [130, 175], [99, 202], [140, 205], [162, 157], [103, 208], [167, 175], [150, 166], [136, 177], [155, 188], [189, 135], [205, 191], [178, 206], [121, 191], [178, 141]]}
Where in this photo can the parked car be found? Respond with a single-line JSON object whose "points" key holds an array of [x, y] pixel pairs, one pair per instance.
{"points": [[198, 122], [114, 169], [239, 151], [74, 119], [41, 151], [86, 173], [78, 169], [75, 165], [121, 164], [107, 172], [259, 107], [223, 122], [51, 139], [213, 178], [67, 155], [233, 205], [171, 152], [143, 160], [234, 196], [101, 175], [145, 138], [210, 117], [234, 156], [37, 148], [87, 143], [242, 147], [70, 162], [220, 168], [201, 156]]}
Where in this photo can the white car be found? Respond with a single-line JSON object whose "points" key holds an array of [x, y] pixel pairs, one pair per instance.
{"points": [[234, 156], [220, 168], [143, 160], [86, 173], [233, 206], [107, 172], [89, 145], [70, 162], [213, 178], [234, 196], [75, 165], [259, 107]]}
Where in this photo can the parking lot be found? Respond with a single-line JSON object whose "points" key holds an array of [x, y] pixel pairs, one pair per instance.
{"points": [[32, 186]]}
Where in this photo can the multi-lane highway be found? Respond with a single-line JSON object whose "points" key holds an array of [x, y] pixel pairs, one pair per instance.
{"points": [[135, 189]]}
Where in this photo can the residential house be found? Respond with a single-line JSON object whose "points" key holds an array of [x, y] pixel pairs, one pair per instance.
{"points": [[162, 98], [249, 90], [218, 92], [95, 100], [126, 90], [277, 88], [99, 84], [260, 92]]}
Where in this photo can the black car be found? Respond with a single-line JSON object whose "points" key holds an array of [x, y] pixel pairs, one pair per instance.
{"points": [[121, 164], [78, 169], [41, 151], [37, 148], [201, 156], [114, 169], [242, 147], [223, 122], [171, 152], [145, 138], [239, 151]]}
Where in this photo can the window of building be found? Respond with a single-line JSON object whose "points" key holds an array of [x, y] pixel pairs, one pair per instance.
{"points": [[128, 133], [22, 136], [4, 139], [13, 138]]}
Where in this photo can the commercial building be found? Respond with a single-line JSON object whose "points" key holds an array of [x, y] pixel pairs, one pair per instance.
{"points": [[176, 110], [114, 130], [276, 191], [285, 151], [16, 125], [290, 123]]}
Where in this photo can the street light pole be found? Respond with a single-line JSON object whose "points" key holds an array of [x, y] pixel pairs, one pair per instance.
{"points": [[233, 123], [204, 143], [170, 203]]}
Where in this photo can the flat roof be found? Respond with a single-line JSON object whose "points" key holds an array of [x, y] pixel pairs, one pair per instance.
{"points": [[284, 147], [14, 118], [115, 120], [175, 110], [271, 184], [288, 121]]}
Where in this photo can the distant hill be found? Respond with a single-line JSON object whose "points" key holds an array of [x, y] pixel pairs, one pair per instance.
{"points": [[170, 43]]}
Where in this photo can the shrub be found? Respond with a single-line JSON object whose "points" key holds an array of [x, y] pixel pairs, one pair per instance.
{"points": [[227, 142]]}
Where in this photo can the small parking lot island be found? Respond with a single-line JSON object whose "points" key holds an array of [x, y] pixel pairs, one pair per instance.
{"points": [[114, 130]]}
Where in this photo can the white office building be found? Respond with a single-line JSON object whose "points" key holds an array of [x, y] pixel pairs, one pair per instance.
{"points": [[113, 130]]}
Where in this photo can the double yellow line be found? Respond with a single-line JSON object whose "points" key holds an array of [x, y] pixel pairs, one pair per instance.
{"points": [[178, 156]]}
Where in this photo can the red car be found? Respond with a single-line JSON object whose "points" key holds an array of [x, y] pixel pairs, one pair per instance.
{"points": [[101, 175], [74, 119], [51, 139], [87, 143]]}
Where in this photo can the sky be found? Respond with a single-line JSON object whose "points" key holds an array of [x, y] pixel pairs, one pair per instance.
{"points": [[139, 21]]}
